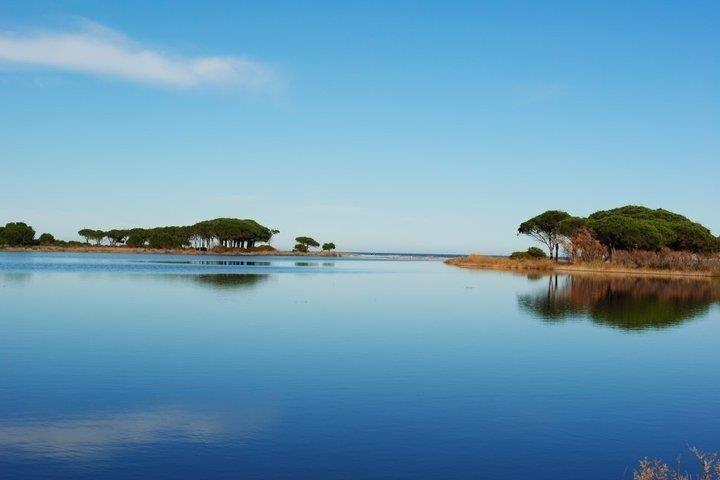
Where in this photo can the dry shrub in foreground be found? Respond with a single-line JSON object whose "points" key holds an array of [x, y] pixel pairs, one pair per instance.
{"points": [[667, 259], [708, 464]]}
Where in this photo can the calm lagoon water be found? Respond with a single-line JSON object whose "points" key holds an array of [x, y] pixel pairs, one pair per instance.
{"points": [[128, 366]]}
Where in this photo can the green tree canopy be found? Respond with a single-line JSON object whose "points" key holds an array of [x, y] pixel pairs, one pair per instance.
{"points": [[307, 241], [46, 239], [117, 236], [635, 226], [545, 228], [630, 227], [328, 246], [17, 234], [91, 234]]}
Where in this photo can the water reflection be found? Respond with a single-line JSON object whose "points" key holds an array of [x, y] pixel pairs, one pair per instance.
{"points": [[223, 263], [628, 303], [229, 281], [15, 277]]}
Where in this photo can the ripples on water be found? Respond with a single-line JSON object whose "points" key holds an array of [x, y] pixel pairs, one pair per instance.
{"points": [[152, 366]]}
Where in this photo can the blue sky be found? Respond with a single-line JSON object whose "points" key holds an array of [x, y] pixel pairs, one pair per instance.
{"points": [[382, 126]]}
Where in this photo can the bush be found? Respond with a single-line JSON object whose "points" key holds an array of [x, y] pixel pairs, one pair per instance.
{"points": [[328, 246], [300, 248], [262, 248], [46, 239], [532, 253], [667, 259], [535, 252]]}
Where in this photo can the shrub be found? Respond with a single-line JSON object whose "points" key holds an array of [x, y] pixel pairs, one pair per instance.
{"points": [[585, 247], [667, 259], [328, 246], [535, 252], [262, 248], [46, 239], [300, 248], [708, 466], [532, 253]]}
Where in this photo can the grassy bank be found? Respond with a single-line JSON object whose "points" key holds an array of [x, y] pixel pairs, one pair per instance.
{"points": [[220, 251], [545, 265]]}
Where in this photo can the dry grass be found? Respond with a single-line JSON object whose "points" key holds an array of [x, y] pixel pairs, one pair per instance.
{"points": [[492, 263], [527, 265]]}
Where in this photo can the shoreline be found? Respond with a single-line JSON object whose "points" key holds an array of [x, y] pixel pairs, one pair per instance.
{"points": [[475, 262], [174, 251]]}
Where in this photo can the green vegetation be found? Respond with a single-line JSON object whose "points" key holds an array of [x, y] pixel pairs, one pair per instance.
{"points": [[529, 254], [46, 239], [17, 234], [545, 228], [220, 232], [304, 244], [625, 229]]}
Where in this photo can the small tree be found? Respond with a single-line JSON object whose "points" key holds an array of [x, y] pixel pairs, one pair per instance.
{"points": [[98, 236], [46, 239], [307, 242], [535, 252], [328, 246], [545, 229], [87, 234], [273, 232], [300, 248], [117, 236]]}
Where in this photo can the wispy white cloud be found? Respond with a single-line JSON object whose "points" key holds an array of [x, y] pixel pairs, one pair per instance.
{"points": [[97, 50]]}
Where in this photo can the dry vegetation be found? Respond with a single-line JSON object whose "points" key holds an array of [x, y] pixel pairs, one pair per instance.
{"points": [[708, 466], [497, 263], [637, 262]]}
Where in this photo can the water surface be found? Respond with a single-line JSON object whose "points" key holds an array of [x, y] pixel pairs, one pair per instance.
{"points": [[158, 366]]}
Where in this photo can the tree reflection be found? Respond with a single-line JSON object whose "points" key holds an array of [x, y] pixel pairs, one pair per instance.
{"points": [[229, 281], [628, 303]]}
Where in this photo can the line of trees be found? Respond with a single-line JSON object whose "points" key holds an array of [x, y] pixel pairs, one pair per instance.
{"points": [[303, 244], [207, 234], [626, 229], [224, 232]]}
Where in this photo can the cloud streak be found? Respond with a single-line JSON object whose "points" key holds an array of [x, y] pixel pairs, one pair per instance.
{"points": [[98, 50]]}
